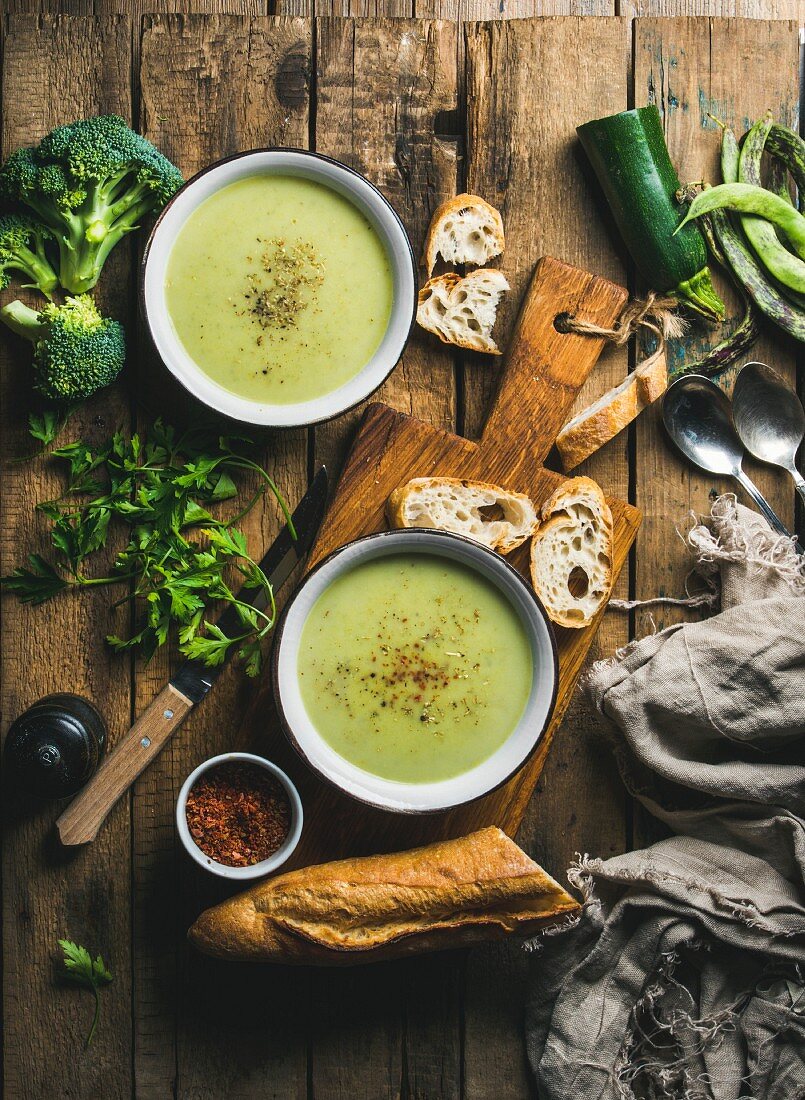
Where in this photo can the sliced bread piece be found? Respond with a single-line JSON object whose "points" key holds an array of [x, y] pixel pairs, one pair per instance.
{"points": [[461, 310], [594, 426], [499, 519], [571, 553], [464, 230]]}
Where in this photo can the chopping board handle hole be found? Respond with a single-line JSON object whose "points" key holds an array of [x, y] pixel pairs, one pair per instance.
{"points": [[561, 323]]}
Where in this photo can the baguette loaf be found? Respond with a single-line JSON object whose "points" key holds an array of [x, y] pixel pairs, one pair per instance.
{"points": [[611, 413], [462, 310], [464, 230], [486, 513], [449, 894], [571, 553]]}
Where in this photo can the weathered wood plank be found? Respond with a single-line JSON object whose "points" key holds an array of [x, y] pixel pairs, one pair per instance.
{"points": [[692, 68], [137, 8], [521, 156], [238, 83], [744, 9], [359, 9], [56, 70], [380, 86], [476, 10]]}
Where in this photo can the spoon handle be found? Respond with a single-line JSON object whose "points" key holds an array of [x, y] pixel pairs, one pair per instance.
{"points": [[762, 503], [799, 482]]}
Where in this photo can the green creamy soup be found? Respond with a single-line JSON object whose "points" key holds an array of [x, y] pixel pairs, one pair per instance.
{"points": [[279, 289], [414, 667]]}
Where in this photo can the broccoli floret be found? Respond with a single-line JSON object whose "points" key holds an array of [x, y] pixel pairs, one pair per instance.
{"points": [[90, 182], [76, 350], [22, 250]]}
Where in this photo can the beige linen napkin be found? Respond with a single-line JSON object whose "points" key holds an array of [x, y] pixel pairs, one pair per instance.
{"points": [[686, 975]]}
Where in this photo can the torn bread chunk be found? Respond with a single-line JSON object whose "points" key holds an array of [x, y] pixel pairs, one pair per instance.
{"points": [[493, 516], [461, 310], [464, 230]]}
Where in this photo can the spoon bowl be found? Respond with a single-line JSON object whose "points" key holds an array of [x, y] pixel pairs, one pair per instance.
{"points": [[698, 417], [769, 418]]}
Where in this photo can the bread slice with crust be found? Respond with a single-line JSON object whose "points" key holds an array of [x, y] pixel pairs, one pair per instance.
{"points": [[493, 516], [594, 426], [571, 553], [461, 310], [464, 230]]}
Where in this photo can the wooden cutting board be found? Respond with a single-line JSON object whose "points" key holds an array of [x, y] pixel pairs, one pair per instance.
{"points": [[539, 379]]}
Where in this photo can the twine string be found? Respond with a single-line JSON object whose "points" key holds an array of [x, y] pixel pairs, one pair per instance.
{"points": [[655, 313]]}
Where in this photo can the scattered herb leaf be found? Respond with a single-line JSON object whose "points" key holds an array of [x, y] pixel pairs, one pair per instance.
{"points": [[81, 968]]}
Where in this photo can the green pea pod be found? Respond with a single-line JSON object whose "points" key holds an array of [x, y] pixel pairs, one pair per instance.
{"points": [[749, 273], [745, 198], [760, 232], [730, 155], [789, 148], [778, 180]]}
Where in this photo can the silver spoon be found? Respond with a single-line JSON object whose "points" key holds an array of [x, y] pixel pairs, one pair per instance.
{"points": [[697, 416], [769, 418]]}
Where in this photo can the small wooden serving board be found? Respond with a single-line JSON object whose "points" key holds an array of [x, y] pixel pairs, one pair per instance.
{"points": [[540, 376]]}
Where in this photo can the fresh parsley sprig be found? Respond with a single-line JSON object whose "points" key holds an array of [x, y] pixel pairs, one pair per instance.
{"points": [[81, 968], [180, 556]]}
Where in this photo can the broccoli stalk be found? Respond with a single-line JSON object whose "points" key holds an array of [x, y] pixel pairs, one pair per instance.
{"points": [[23, 320], [91, 182], [76, 350], [22, 250]]}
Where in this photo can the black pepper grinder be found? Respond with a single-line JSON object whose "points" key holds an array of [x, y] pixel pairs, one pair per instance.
{"points": [[54, 747]]}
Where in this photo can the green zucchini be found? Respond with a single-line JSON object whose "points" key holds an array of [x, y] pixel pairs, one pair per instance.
{"points": [[630, 159]]}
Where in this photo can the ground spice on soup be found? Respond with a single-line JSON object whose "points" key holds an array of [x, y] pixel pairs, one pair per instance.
{"points": [[238, 814]]}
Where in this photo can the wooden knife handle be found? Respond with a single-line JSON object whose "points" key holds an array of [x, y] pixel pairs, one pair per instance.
{"points": [[81, 821]]}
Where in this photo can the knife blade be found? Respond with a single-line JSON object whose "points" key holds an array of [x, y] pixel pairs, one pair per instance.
{"points": [[82, 820]]}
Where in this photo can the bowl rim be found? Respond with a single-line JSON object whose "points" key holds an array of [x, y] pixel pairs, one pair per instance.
{"points": [[376, 536], [213, 166], [253, 870]]}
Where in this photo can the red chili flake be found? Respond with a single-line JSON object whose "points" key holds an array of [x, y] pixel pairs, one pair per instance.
{"points": [[238, 813]]}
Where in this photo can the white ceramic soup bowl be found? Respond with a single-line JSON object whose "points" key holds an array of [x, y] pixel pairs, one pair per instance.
{"points": [[390, 794], [341, 179]]}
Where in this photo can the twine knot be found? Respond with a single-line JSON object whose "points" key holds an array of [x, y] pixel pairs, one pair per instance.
{"points": [[655, 312]]}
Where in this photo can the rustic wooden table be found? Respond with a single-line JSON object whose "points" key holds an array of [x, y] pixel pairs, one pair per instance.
{"points": [[423, 106]]}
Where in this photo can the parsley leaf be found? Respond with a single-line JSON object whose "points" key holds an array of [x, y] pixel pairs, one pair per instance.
{"points": [[45, 426], [39, 582], [81, 968]]}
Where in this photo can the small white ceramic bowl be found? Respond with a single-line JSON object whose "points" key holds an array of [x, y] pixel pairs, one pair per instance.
{"points": [[416, 797], [287, 162], [256, 870]]}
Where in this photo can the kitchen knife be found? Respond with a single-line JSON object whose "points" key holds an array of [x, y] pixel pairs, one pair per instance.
{"points": [[81, 821]]}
